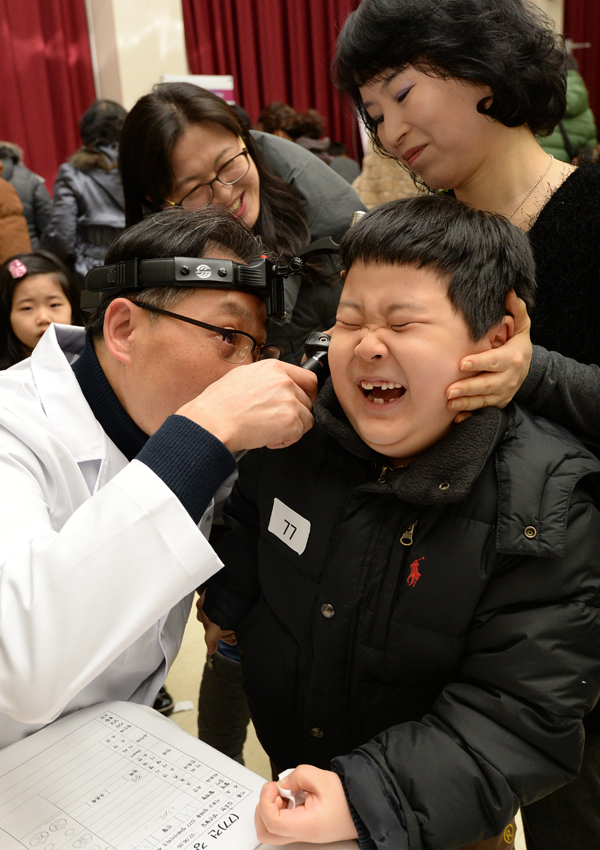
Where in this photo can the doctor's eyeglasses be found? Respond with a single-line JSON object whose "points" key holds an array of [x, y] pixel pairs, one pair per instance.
{"points": [[236, 346]]}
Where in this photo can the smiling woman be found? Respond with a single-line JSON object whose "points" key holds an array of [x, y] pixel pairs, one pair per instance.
{"points": [[184, 146]]}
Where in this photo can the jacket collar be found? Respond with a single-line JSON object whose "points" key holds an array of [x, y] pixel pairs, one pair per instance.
{"points": [[71, 416], [443, 473], [106, 407]]}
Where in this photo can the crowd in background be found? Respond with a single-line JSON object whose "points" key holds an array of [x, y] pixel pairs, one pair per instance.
{"points": [[75, 228]]}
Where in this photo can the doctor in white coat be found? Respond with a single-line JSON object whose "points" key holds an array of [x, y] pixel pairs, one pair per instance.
{"points": [[112, 446]]}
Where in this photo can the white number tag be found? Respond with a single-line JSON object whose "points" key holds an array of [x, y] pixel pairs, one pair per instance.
{"points": [[289, 526]]}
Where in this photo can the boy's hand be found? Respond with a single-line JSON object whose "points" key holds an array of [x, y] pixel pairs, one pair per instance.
{"points": [[502, 370], [323, 818], [213, 633]]}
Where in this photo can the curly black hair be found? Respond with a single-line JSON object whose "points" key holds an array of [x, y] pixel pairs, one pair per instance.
{"points": [[508, 45]]}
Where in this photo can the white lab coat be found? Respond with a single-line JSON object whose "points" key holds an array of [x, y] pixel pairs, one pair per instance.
{"points": [[98, 558]]}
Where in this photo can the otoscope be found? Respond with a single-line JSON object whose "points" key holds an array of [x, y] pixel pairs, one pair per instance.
{"points": [[316, 348]]}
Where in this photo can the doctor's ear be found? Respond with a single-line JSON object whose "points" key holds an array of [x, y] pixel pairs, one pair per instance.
{"points": [[121, 320]]}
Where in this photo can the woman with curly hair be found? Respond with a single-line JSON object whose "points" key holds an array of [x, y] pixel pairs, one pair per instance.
{"points": [[456, 91]]}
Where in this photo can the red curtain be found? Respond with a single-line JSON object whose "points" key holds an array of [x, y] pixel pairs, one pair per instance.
{"points": [[276, 50], [47, 79], [582, 24]]}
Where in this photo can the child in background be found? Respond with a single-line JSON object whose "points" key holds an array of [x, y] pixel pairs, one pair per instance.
{"points": [[416, 601], [36, 290]]}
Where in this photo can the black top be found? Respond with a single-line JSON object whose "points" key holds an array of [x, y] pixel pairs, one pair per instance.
{"points": [[566, 244]]}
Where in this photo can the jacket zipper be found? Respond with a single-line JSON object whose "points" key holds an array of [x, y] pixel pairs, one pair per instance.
{"points": [[407, 537], [383, 473]]}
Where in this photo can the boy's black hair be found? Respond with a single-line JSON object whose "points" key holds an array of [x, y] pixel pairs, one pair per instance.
{"points": [[483, 256], [176, 232], [508, 45]]}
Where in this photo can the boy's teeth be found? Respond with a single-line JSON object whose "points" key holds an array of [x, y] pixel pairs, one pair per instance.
{"points": [[384, 385]]}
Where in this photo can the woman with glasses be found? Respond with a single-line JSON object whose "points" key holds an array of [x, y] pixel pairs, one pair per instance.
{"points": [[184, 146]]}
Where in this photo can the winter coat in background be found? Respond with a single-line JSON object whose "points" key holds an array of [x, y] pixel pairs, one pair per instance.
{"points": [[431, 633], [578, 125], [346, 167], [319, 147], [14, 235], [88, 213], [382, 179], [34, 196]]}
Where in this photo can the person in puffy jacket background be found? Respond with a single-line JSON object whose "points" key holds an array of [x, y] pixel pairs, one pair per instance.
{"points": [[578, 128], [34, 196], [14, 236], [88, 211]]}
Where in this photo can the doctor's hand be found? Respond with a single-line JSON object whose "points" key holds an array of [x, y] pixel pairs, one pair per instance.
{"points": [[263, 404], [213, 633], [323, 818], [501, 370]]}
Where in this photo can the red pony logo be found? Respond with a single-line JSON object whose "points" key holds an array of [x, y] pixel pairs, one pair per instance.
{"points": [[415, 575]]}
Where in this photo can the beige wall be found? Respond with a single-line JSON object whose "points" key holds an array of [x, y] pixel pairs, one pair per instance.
{"points": [[554, 9], [133, 43]]}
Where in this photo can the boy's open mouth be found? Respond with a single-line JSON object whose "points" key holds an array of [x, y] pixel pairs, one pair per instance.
{"points": [[382, 392]]}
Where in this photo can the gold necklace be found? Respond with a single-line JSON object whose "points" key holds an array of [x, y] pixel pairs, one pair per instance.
{"points": [[533, 188]]}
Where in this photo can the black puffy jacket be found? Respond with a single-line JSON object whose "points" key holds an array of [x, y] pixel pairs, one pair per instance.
{"points": [[430, 632]]}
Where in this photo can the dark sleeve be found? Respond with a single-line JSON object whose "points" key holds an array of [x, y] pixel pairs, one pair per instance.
{"points": [[61, 233], [509, 729], [190, 460], [233, 591], [42, 208], [565, 391]]}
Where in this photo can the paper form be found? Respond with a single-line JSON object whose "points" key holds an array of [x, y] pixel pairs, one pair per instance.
{"points": [[119, 777]]}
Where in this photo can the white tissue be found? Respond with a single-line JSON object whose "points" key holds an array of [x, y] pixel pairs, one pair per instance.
{"points": [[295, 798]]}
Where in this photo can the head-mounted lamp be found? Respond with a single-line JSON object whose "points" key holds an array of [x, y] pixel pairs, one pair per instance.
{"points": [[260, 277]]}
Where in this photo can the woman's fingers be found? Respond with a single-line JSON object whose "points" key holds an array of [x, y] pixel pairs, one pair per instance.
{"points": [[499, 371]]}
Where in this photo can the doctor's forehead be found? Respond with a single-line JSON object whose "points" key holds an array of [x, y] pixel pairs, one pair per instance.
{"points": [[231, 307]]}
